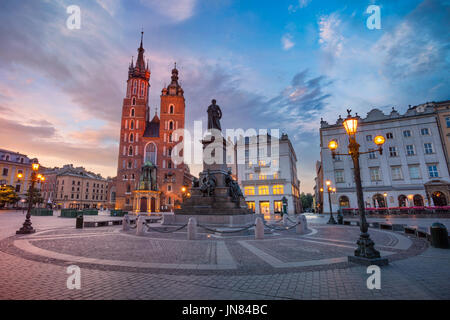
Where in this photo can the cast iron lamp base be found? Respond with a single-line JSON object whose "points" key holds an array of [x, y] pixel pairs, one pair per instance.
{"points": [[331, 220], [366, 254], [26, 229]]}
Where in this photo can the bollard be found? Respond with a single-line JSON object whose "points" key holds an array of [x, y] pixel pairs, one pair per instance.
{"points": [[192, 229], [125, 223], [285, 220], [259, 229], [302, 225], [140, 225]]}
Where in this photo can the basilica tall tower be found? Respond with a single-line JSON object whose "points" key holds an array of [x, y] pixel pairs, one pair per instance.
{"points": [[135, 111]]}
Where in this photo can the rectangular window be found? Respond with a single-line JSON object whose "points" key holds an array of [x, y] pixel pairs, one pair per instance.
{"points": [[278, 189], [251, 205], [339, 175], [425, 131], [393, 152], [397, 173], [249, 191], [278, 206], [18, 188], [432, 171], [407, 133], [410, 150], [276, 175], [263, 190], [375, 174], [369, 138], [414, 172], [389, 135], [262, 177], [372, 155], [5, 171], [447, 120], [428, 148]]}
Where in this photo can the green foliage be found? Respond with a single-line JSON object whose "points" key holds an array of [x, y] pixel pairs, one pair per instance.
{"points": [[36, 196], [8, 195], [307, 200]]}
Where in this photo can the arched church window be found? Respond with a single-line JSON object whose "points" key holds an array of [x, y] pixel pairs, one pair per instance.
{"points": [[132, 112], [142, 89], [131, 137], [170, 125], [128, 188], [171, 109], [133, 103], [170, 137], [130, 151], [169, 164], [135, 87], [170, 152], [132, 125], [150, 153]]}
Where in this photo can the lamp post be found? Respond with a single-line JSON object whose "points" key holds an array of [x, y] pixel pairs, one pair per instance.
{"points": [[27, 228], [365, 253], [330, 190], [386, 202]]}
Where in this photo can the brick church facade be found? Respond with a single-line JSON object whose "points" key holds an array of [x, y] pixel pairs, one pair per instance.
{"points": [[145, 137]]}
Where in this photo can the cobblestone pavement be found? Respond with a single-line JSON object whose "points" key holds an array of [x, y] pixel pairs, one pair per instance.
{"points": [[419, 272]]}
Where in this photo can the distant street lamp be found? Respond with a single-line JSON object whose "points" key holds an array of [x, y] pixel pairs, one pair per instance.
{"points": [[27, 228], [386, 202], [365, 253], [330, 190]]}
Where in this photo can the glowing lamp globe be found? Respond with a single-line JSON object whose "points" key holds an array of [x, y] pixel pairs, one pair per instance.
{"points": [[20, 175], [328, 182], [35, 166], [379, 140], [351, 125], [332, 145]]}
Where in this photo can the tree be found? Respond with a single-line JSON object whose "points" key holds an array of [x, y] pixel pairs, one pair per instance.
{"points": [[8, 195], [36, 196], [307, 200]]}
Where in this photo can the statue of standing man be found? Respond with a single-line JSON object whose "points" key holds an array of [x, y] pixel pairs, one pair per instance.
{"points": [[214, 116]]}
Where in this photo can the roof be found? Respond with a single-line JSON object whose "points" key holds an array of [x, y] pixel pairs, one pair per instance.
{"points": [[152, 128]]}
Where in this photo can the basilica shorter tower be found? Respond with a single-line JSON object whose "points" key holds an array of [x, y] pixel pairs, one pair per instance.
{"points": [[147, 138]]}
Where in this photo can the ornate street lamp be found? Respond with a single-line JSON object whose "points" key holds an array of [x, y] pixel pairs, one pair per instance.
{"points": [[27, 228], [330, 190], [385, 195], [365, 253]]}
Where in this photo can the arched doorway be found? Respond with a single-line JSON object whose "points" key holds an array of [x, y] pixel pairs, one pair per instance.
{"points": [[439, 199], [378, 201], [402, 200], [143, 205], [344, 203], [153, 205], [418, 200]]}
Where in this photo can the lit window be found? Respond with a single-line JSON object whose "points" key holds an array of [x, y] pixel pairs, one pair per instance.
{"points": [[261, 163], [276, 175], [249, 191], [278, 189], [263, 190], [432, 171], [428, 148], [262, 177]]}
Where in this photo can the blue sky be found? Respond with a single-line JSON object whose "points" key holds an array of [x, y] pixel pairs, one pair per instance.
{"points": [[269, 64]]}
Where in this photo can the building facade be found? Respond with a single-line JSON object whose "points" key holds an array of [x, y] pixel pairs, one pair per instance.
{"points": [[443, 116], [11, 164], [72, 187], [267, 175], [412, 171], [147, 138], [318, 188]]}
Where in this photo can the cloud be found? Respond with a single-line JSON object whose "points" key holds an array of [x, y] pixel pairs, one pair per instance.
{"points": [[287, 42], [330, 37], [418, 45], [176, 10], [301, 4]]}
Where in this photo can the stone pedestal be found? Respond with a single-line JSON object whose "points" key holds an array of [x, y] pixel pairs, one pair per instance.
{"points": [[259, 229], [302, 226], [213, 206], [192, 229]]}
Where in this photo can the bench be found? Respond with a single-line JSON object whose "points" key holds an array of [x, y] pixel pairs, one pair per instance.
{"points": [[101, 223]]}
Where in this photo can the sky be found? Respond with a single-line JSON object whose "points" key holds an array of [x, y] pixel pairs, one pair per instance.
{"points": [[269, 64]]}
